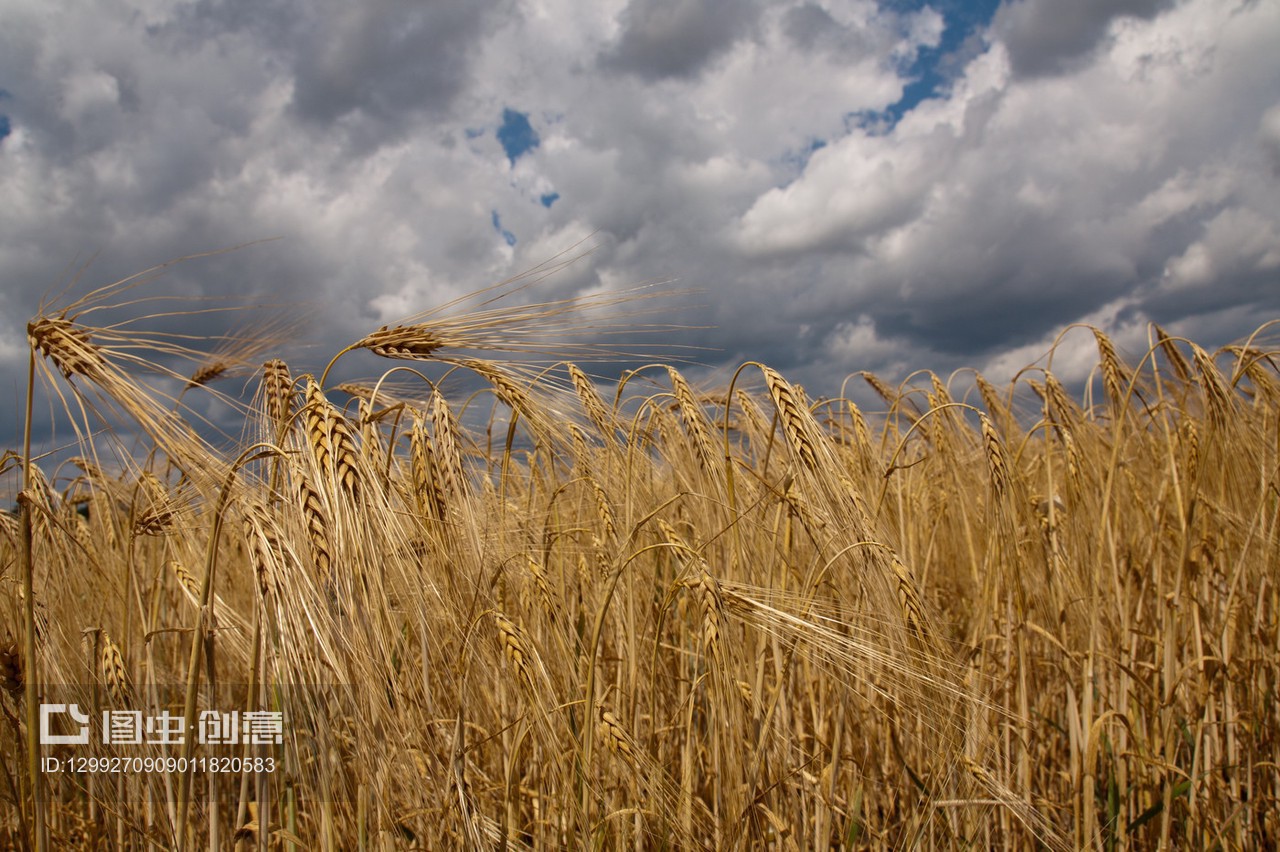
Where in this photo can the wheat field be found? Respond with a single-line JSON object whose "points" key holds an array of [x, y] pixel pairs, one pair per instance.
{"points": [[499, 603]]}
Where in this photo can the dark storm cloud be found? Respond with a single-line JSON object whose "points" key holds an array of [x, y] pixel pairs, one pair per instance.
{"points": [[1140, 180], [1047, 36], [388, 56], [677, 38]]}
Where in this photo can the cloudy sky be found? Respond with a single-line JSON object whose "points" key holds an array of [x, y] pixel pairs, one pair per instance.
{"points": [[850, 184]]}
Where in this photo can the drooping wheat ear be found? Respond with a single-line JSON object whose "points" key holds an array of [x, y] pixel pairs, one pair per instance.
{"points": [[1059, 409], [317, 528], [795, 418], [592, 404], [614, 736], [331, 441], [1073, 455], [370, 435], [515, 649], [68, 346], [909, 598], [1175, 357], [937, 425], [190, 586], [1115, 376], [509, 392], [404, 342], [888, 394], [861, 432], [277, 392], [694, 419], [113, 673], [941, 397], [448, 452], [604, 512], [539, 575], [1218, 399], [995, 455], [264, 547], [207, 373], [1189, 438], [427, 486], [158, 515], [579, 440], [705, 587], [990, 398], [1251, 362]]}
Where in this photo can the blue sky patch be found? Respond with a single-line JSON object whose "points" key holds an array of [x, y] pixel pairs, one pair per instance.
{"points": [[506, 235], [6, 128], [934, 67], [516, 134], [549, 198]]}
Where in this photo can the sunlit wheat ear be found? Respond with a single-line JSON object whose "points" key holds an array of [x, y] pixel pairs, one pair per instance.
{"points": [[991, 400], [427, 486], [539, 575], [795, 418], [592, 404], [157, 511], [888, 394], [1252, 363], [615, 737], [1062, 412], [190, 586], [705, 587], [909, 598], [448, 451], [694, 419], [237, 353], [113, 672], [1115, 376], [604, 512], [1218, 398], [68, 346], [331, 441], [277, 392], [264, 547], [317, 528], [861, 432], [515, 649], [995, 456], [1189, 440], [406, 342], [1175, 357], [508, 390]]}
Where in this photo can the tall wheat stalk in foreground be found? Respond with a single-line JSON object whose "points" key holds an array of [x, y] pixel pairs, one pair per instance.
{"points": [[565, 612]]}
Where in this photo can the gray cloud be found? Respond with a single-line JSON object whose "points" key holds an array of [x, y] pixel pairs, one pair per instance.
{"points": [[677, 38], [1045, 37], [1139, 181]]}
